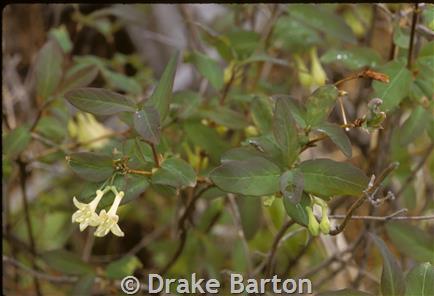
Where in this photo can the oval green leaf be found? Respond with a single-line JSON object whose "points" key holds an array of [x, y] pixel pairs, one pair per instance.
{"points": [[256, 176], [93, 167], [338, 136], [411, 240], [392, 277], [326, 178], [99, 101], [175, 172], [420, 280], [147, 124]]}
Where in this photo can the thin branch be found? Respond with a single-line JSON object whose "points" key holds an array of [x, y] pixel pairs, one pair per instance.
{"points": [[412, 33], [364, 197], [228, 86], [385, 218], [38, 274], [23, 177], [155, 155], [274, 246]]}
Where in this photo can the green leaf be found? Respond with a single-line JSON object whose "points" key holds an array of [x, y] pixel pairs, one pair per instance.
{"points": [[262, 113], [61, 35], [297, 110], [297, 211], [16, 141], [208, 67], [338, 136], [186, 103], [48, 69], [206, 138], [414, 126], [256, 176], [99, 101], [420, 280], [250, 214], [225, 116], [51, 128], [147, 124], [241, 153], [322, 19], [411, 240], [401, 37], [397, 89], [66, 262], [175, 172], [79, 77], [84, 285], [122, 82], [344, 292], [123, 267], [392, 278], [295, 35], [285, 130], [292, 185], [243, 42], [91, 166], [320, 103], [326, 178], [162, 94], [354, 58]]}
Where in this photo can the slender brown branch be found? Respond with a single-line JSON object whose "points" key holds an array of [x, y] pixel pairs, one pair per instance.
{"points": [[155, 155], [228, 86], [183, 228], [274, 246], [138, 172], [23, 184], [412, 33], [363, 197], [385, 218]]}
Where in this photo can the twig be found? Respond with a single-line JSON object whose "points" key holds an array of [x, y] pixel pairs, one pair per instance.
{"points": [[87, 250], [182, 227], [155, 155], [333, 258], [412, 33], [276, 241], [363, 197], [385, 218], [228, 86], [23, 176], [38, 274]]}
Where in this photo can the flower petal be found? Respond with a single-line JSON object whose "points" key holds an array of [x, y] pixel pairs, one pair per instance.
{"points": [[78, 204], [116, 230]]}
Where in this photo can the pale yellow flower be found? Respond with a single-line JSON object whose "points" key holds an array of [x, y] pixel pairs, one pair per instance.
{"points": [[108, 221], [85, 215], [87, 129]]}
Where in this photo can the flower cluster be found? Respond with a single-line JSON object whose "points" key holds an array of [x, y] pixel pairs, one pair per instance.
{"points": [[105, 221]]}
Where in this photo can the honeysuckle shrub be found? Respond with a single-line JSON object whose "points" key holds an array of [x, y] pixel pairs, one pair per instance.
{"points": [[297, 119]]}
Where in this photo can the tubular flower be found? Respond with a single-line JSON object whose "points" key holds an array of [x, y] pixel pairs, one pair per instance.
{"points": [[313, 224], [304, 76], [108, 221], [85, 215], [317, 71]]}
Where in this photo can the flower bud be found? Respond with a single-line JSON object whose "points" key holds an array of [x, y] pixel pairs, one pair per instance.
{"points": [[317, 71], [313, 224], [303, 74]]}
